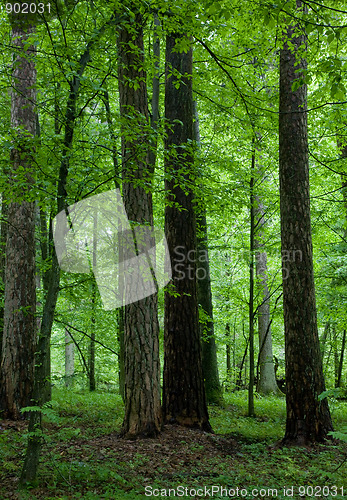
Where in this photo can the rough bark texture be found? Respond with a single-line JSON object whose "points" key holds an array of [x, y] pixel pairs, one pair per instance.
{"points": [[308, 420], [19, 337], [183, 391], [141, 327]]}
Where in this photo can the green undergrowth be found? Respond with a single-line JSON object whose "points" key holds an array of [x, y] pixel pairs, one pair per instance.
{"points": [[267, 425], [84, 459]]}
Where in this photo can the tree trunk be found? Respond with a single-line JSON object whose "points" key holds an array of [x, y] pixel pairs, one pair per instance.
{"points": [[336, 356], [19, 337], [324, 339], [3, 238], [266, 383], [155, 91], [251, 412], [228, 357], [308, 420], [92, 383], [213, 388], [32, 456], [183, 392], [340, 367], [42, 380], [120, 311], [141, 327], [69, 359]]}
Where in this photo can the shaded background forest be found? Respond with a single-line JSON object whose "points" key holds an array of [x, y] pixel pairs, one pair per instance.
{"points": [[178, 106]]}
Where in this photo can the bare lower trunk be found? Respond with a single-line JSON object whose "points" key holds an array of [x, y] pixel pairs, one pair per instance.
{"points": [[19, 336], [183, 392], [308, 419], [141, 328]]}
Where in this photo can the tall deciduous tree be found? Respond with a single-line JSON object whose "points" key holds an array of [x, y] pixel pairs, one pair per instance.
{"points": [[308, 419], [141, 327], [210, 372], [183, 391], [266, 383], [19, 336]]}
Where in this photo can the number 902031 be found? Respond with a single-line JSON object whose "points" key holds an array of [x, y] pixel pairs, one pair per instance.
{"points": [[28, 8]]}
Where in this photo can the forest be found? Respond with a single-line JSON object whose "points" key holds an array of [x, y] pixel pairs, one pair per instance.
{"points": [[173, 236]]}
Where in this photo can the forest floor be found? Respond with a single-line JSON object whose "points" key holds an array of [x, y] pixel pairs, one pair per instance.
{"points": [[84, 458]]}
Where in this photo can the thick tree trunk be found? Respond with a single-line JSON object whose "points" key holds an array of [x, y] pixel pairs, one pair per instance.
{"points": [[141, 327], [308, 420], [19, 337], [183, 392]]}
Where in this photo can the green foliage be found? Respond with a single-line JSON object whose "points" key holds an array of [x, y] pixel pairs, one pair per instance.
{"points": [[84, 457]]}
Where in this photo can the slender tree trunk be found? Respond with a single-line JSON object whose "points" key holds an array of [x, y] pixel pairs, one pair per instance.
{"points": [[141, 327], [52, 277], [183, 392], [324, 339], [19, 337], [3, 238], [155, 91], [69, 359], [340, 367], [32, 456], [228, 357], [266, 383], [308, 419], [336, 355], [213, 388], [92, 383], [251, 412], [120, 310]]}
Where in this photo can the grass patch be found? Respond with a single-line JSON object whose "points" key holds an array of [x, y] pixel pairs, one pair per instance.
{"points": [[84, 458]]}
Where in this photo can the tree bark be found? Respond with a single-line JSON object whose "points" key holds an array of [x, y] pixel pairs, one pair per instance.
{"points": [[141, 328], [183, 392], [19, 336], [308, 420]]}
